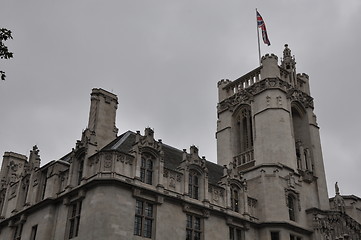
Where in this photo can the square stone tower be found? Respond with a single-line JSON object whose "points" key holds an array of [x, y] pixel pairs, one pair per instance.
{"points": [[267, 130]]}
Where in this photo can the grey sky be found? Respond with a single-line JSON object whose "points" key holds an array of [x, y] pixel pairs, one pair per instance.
{"points": [[163, 58]]}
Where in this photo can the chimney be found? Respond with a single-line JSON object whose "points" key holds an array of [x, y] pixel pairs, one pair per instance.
{"points": [[102, 117]]}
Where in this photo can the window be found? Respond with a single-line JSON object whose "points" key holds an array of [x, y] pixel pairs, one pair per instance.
{"points": [[143, 223], [146, 169], [74, 219], [34, 229], [245, 129], [43, 184], [17, 232], [194, 228], [293, 237], [80, 170], [291, 207], [275, 236], [235, 198], [193, 185], [236, 233]]}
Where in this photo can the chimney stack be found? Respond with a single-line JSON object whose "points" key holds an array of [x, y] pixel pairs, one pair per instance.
{"points": [[102, 117]]}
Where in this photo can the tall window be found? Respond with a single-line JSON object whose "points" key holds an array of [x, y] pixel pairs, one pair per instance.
{"points": [[275, 235], [235, 198], [146, 169], [143, 222], [80, 170], [291, 207], [236, 233], [193, 184], [34, 229], [17, 231], [194, 228], [293, 237], [43, 183], [74, 219], [245, 129]]}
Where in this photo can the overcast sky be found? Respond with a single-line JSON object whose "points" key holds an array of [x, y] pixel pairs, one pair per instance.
{"points": [[163, 58]]}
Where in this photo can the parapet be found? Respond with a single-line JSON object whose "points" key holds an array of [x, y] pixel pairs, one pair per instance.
{"points": [[15, 155], [107, 95], [223, 82], [269, 56], [303, 76], [270, 67]]}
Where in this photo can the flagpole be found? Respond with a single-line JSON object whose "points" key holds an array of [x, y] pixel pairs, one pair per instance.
{"points": [[259, 47]]}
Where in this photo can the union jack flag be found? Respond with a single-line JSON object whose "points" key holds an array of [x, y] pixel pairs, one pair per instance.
{"points": [[262, 26]]}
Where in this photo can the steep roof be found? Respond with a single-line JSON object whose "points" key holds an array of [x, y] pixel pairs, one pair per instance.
{"points": [[172, 156]]}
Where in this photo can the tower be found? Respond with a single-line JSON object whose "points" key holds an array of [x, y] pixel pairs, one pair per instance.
{"points": [[267, 131]]}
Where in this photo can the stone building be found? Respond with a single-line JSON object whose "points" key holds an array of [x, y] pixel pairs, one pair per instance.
{"points": [[269, 181]]}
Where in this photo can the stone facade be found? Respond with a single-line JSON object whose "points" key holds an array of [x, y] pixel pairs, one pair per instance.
{"points": [[269, 181]]}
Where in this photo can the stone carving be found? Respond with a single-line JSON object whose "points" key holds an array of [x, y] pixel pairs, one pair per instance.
{"points": [[179, 177], [245, 96], [172, 182], [268, 100], [108, 161], [298, 95], [165, 173], [13, 166], [335, 225], [279, 101]]}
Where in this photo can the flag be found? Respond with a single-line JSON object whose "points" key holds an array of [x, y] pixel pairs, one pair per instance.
{"points": [[262, 26]]}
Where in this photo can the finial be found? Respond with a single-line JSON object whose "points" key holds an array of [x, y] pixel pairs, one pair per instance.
{"points": [[337, 189], [286, 52]]}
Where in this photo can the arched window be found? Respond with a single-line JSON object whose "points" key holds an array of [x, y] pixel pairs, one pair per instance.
{"points": [[291, 207], [193, 184], [245, 130], [80, 170], [146, 168], [235, 198]]}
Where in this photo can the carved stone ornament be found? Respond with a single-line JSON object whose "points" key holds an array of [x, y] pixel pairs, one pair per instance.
{"points": [[242, 97], [215, 195], [298, 95], [165, 173], [108, 161], [172, 182], [179, 177]]}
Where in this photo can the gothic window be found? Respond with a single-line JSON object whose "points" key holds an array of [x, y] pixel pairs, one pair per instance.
{"points": [[236, 233], [194, 228], [80, 170], [245, 130], [146, 168], [74, 219], [193, 184], [43, 183], [275, 235], [17, 231], [235, 198], [143, 222], [291, 207], [34, 229]]}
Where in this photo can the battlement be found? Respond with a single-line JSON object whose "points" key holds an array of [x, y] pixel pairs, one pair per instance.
{"points": [[223, 82], [232, 87], [303, 75], [15, 155], [269, 56]]}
